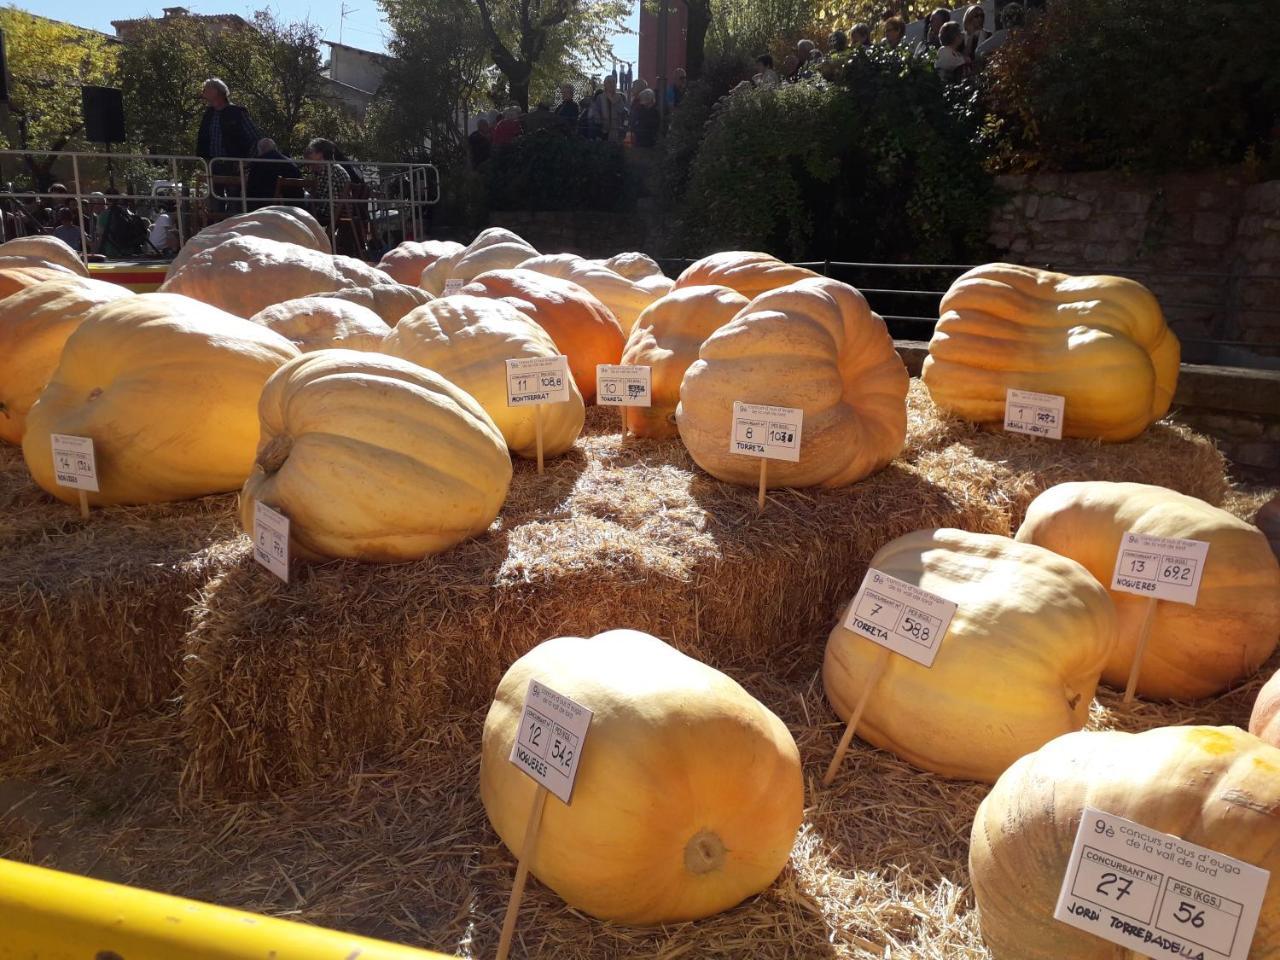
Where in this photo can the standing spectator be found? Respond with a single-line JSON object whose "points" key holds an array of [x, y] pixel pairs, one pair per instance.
{"points": [[269, 167], [790, 68], [66, 230], [567, 110], [644, 119], [974, 23], [894, 30], [226, 130], [767, 77], [325, 179], [478, 142], [609, 111], [508, 128], [679, 83], [638, 86], [839, 42], [860, 36], [803, 49], [951, 62], [933, 27]]}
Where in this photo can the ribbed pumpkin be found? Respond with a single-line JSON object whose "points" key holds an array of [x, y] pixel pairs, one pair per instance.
{"points": [[405, 262], [323, 323], [1217, 787], [1100, 342], [813, 345], [1193, 651], [633, 266], [41, 251], [1018, 666], [468, 340], [688, 794], [167, 388], [13, 279], [34, 325], [374, 458], [747, 272], [492, 249], [278, 222], [667, 337], [1264, 722], [390, 301], [624, 298], [582, 327], [247, 274]]}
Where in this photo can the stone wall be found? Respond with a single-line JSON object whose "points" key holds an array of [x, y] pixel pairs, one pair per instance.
{"points": [[1207, 244]]}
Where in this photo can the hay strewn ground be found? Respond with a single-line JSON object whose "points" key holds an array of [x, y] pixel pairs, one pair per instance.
{"points": [[284, 684]]}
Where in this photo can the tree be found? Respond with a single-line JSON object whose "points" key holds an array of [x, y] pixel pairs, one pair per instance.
{"points": [[49, 62]]}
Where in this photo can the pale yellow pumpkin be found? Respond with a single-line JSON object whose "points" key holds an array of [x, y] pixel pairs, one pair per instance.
{"points": [[41, 251], [405, 262], [633, 265], [468, 340], [34, 325], [814, 345], [1017, 667], [1100, 342], [492, 249], [15, 278], [390, 301], [1193, 651], [167, 388], [1217, 787], [666, 337], [374, 458], [323, 323], [247, 274], [1264, 722], [281, 223], [688, 794], [624, 298], [747, 272]]}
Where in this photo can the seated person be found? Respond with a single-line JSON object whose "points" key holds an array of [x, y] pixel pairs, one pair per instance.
{"points": [[321, 173]]}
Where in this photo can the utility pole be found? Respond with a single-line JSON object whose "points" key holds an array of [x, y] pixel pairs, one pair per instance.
{"points": [[343, 12]]}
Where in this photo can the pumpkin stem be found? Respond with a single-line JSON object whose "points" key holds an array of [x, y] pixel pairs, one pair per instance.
{"points": [[704, 852], [272, 457]]}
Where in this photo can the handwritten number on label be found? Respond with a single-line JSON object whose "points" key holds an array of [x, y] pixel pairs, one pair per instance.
{"points": [[535, 731], [1186, 913], [1111, 880]]}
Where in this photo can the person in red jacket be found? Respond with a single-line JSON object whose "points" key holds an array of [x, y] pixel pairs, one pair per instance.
{"points": [[508, 128]]}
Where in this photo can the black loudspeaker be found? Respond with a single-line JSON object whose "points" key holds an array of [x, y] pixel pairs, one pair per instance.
{"points": [[103, 109], [4, 72]]}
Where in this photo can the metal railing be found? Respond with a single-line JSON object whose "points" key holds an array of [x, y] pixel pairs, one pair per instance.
{"points": [[390, 204]]}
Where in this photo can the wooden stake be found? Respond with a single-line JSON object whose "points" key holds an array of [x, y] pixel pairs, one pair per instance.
{"points": [[872, 679], [84, 504], [1144, 636], [537, 426], [522, 871], [764, 474], [622, 411]]}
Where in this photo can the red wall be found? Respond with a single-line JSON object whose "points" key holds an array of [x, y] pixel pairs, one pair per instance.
{"points": [[677, 16]]}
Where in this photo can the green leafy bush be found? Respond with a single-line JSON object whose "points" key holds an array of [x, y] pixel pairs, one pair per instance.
{"points": [[549, 171], [1098, 84], [880, 165]]}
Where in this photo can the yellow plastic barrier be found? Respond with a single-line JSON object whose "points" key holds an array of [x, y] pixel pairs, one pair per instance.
{"points": [[46, 915]]}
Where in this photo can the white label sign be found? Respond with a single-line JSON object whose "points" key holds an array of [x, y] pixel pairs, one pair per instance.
{"points": [[548, 745], [271, 539], [900, 616], [1038, 414], [1160, 567], [624, 385], [760, 430], [451, 287], [537, 380], [73, 462], [1157, 895]]}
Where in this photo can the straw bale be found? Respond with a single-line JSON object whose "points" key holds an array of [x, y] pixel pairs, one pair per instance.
{"points": [[402, 850], [93, 612], [287, 683]]}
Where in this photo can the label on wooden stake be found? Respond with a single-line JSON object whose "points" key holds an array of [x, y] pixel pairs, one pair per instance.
{"points": [[900, 616], [271, 539], [1162, 568], [624, 385], [760, 430], [451, 287], [1157, 895], [1036, 414], [73, 462], [537, 380], [548, 745]]}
